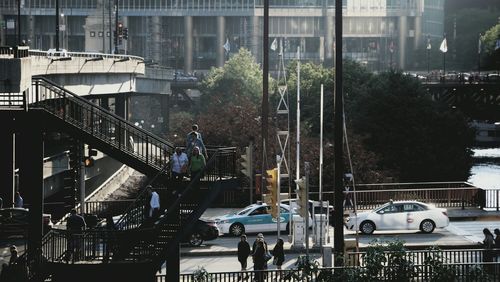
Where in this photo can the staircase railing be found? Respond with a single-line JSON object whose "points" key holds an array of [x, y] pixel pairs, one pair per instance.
{"points": [[100, 123]]}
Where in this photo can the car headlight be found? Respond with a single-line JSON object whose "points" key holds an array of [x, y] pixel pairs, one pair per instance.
{"points": [[223, 221]]}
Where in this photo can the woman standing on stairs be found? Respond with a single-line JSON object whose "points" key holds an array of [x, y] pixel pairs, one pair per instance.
{"points": [[197, 163]]}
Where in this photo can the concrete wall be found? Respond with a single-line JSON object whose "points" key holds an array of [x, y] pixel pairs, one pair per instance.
{"points": [[15, 75], [92, 84]]}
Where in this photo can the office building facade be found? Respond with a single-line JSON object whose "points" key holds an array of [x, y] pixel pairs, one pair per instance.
{"points": [[191, 34]]}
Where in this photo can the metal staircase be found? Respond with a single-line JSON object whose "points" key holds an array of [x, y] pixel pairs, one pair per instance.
{"points": [[94, 125], [145, 244]]}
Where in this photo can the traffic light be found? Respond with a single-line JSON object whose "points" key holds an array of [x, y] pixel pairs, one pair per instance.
{"points": [[302, 197], [125, 33], [120, 30], [247, 162], [272, 189], [88, 161]]}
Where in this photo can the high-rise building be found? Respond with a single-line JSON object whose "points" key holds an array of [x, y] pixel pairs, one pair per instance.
{"points": [[191, 34]]}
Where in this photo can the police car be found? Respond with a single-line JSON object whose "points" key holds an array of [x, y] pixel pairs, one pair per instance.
{"points": [[253, 219]]}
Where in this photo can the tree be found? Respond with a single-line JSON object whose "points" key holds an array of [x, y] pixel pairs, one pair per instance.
{"points": [[229, 109], [419, 139], [490, 39], [239, 77], [469, 22]]}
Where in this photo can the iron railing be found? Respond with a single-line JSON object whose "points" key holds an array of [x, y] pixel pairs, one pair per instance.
{"points": [[100, 123], [419, 256], [470, 272]]}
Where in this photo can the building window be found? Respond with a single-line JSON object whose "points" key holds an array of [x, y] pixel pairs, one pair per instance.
{"points": [[92, 34], [101, 34]]}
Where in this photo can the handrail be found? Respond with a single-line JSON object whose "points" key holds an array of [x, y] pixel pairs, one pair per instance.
{"points": [[90, 104], [86, 55], [141, 197]]}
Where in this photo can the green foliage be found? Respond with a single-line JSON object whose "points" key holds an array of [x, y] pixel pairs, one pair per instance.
{"points": [[306, 269], [438, 271], [418, 139], [240, 76], [201, 275], [489, 41], [462, 55]]}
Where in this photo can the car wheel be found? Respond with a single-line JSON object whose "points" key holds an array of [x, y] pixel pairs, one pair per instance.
{"points": [[367, 227], [195, 239], [237, 229], [427, 226]]}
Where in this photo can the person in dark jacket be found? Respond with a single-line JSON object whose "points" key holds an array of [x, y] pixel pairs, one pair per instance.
{"points": [[243, 252], [75, 225], [259, 260], [278, 253]]}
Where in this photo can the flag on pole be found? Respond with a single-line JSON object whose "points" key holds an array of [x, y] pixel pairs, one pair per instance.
{"points": [[479, 46], [497, 45], [227, 46], [274, 45], [429, 47], [444, 46]]}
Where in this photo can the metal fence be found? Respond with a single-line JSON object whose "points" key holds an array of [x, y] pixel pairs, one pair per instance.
{"points": [[480, 272]]}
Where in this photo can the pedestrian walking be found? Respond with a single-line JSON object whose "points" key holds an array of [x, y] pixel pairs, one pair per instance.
{"points": [[278, 253], [18, 201], [75, 225], [154, 205], [259, 260], [180, 163], [497, 242], [110, 237], [194, 139], [197, 163], [243, 252]]}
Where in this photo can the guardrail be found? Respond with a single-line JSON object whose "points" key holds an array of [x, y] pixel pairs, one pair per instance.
{"points": [[16, 52], [89, 55], [457, 272]]}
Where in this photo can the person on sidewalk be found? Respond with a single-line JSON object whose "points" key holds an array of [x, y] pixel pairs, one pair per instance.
{"points": [[259, 260], [489, 244], [279, 253], [243, 252]]}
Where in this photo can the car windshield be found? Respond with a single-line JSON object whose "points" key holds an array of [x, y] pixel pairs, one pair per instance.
{"points": [[244, 211]]}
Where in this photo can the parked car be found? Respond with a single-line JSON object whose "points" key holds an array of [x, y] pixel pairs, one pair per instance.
{"points": [[53, 53], [203, 230], [253, 219], [400, 215], [14, 222]]}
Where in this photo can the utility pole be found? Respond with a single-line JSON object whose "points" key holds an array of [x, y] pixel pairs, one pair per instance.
{"points": [[110, 28], [18, 22], [116, 26], [265, 94], [57, 25], [307, 170], [338, 125]]}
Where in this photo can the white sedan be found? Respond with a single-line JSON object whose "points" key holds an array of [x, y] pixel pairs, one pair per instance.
{"points": [[400, 215]]}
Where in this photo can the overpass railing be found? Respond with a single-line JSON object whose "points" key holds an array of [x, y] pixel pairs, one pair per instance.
{"points": [[89, 55]]}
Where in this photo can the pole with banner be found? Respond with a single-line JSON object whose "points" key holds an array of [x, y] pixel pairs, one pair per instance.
{"points": [[444, 48]]}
